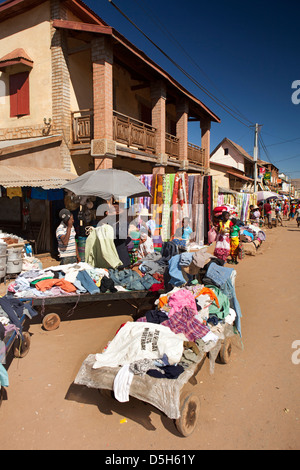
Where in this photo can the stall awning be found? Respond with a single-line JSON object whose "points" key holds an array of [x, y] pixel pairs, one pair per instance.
{"points": [[240, 176], [46, 178]]}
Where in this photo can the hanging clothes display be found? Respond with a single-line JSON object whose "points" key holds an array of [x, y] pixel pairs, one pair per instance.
{"points": [[176, 196], [208, 204], [157, 202], [168, 184], [198, 208]]}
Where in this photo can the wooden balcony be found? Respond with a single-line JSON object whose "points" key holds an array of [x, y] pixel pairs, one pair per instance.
{"points": [[196, 154], [134, 133], [172, 146], [82, 126]]}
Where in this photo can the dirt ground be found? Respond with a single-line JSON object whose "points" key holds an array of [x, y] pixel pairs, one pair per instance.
{"points": [[250, 403]]}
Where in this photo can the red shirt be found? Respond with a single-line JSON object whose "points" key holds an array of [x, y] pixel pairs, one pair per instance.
{"points": [[267, 208]]}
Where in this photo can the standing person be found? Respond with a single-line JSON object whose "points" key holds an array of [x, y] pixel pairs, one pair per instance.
{"points": [[268, 214], [293, 211], [234, 241], [278, 213], [285, 209], [222, 248], [298, 215], [65, 234]]}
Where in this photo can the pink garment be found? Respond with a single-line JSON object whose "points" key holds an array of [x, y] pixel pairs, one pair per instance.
{"points": [[179, 300]]}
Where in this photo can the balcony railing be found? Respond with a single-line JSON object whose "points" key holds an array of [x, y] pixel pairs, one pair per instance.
{"points": [[82, 125], [172, 146], [196, 154], [134, 133]]}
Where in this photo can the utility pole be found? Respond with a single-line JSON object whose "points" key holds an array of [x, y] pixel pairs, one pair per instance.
{"points": [[255, 153]]}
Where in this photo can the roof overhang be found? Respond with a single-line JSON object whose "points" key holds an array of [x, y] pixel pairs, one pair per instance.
{"points": [[46, 178], [237, 175], [18, 145], [16, 57]]}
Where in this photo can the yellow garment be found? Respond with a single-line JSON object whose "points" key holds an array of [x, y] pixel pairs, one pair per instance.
{"points": [[13, 192], [225, 228]]}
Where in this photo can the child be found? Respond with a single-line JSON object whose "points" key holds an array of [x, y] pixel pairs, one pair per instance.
{"points": [[234, 242]]}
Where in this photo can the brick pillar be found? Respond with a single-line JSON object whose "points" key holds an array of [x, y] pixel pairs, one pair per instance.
{"points": [[205, 142], [61, 104], [158, 98], [102, 59], [182, 128]]}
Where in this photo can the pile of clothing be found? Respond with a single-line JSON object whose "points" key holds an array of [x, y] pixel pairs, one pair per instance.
{"points": [[69, 279], [251, 237], [184, 323]]}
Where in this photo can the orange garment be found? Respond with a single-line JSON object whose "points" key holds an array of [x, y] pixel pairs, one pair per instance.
{"points": [[49, 283], [163, 300], [211, 294]]}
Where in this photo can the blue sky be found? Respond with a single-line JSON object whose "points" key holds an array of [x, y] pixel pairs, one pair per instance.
{"points": [[244, 53]]}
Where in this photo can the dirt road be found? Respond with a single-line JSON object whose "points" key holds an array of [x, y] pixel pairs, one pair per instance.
{"points": [[250, 403]]}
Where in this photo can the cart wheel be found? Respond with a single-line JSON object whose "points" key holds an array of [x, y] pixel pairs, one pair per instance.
{"points": [[189, 412], [51, 321], [225, 351], [22, 349]]}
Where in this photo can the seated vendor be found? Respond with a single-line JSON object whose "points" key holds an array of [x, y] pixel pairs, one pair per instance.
{"points": [[142, 220], [254, 214], [185, 232], [145, 246]]}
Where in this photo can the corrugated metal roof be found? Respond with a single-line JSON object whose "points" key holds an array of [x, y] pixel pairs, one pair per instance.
{"points": [[46, 178]]}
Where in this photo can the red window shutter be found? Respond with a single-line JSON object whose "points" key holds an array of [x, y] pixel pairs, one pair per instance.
{"points": [[19, 94]]}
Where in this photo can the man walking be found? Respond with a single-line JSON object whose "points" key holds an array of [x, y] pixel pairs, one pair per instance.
{"points": [[268, 214]]}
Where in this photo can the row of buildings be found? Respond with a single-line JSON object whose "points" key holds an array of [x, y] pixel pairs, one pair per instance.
{"points": [[76, 95]]}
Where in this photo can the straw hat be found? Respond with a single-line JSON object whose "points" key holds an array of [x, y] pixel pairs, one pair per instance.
{"points": [[144, 212]]}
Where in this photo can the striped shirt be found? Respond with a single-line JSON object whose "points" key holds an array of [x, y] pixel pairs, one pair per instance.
{"points": [[70, 248]]}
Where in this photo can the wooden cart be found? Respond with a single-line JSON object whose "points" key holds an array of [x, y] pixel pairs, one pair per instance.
{"points": [[174, 397], [51, 320]]}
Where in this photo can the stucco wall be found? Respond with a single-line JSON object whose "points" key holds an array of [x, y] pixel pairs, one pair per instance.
{"points": [[233, 159], [220, 177], [30, 31]]}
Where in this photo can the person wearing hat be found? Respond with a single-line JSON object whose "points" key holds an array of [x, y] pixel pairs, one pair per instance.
{"points": [[65, 235], [254, 214], [142, 221]]}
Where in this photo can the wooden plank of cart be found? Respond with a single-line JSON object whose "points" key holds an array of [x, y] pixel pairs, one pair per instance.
{"points": [[51, 320], [174, 397]]}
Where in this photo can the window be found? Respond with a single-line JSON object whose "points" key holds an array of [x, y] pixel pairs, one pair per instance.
{"points": [[226, 152], [19, 94]]}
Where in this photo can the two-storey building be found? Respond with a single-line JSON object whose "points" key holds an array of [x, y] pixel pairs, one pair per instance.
{"points": [[76, 95]]}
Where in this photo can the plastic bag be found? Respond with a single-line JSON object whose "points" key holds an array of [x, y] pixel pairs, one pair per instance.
{"points": [[212, 235]]}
